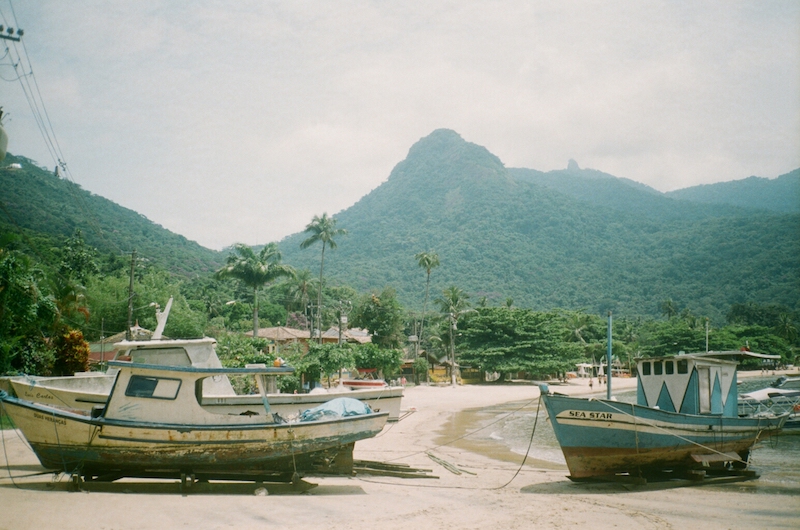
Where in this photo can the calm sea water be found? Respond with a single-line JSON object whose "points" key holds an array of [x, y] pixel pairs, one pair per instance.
{"points": [[777, 460]]}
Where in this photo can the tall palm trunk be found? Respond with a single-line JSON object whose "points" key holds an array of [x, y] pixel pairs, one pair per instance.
{"points": [[255, 312], [319, 293], [422, 322]]}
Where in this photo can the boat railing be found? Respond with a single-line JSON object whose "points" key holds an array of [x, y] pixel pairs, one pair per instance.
{"points": [[774, 406]]}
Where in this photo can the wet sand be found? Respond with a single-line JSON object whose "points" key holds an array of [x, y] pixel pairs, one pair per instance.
{"points": [[480, 497]]}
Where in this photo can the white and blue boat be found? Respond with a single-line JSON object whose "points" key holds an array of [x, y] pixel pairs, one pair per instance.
{"points": [[156, 423], [685, 422]]}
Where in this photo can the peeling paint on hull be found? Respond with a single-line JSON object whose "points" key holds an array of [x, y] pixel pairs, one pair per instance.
{"points": [[69, 441], [601, 437]]}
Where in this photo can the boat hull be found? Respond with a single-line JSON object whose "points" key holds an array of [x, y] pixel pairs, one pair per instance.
{"points": [[601, 438], [72, 442]]}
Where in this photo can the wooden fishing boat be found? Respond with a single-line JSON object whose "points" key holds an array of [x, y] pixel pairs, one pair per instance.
{"points": [[154, 424], [85, 390], [685, 422]]}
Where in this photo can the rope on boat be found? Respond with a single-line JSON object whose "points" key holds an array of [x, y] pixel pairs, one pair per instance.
{"points": [[528, 450], [3, 437]]}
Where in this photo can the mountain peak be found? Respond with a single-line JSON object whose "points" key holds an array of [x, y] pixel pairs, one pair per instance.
{"points": [[572, 165]]}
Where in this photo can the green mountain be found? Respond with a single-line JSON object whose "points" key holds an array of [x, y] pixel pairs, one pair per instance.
{"points": [[45, 209], [571, 239], [777, 195], [574, 238]]}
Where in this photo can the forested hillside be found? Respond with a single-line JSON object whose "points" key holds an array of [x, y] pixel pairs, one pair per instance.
{"points": [[573, 238], [47, 209], [559, 239], [779, 195]]}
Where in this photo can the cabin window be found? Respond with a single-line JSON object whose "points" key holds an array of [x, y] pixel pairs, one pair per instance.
{"points": [[669, 367], [646, 368], [683, 366], [658, 368], [152, 387]]}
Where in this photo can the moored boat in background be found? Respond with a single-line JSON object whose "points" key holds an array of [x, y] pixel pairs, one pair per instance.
{"points": [[781, 397]]}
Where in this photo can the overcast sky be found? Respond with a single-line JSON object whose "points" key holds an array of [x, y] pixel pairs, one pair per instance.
{"points": [[239, 121]]}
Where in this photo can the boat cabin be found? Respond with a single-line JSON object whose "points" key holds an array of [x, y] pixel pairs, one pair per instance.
{"points": [[689, 384], [148, 392], [200, 353]]}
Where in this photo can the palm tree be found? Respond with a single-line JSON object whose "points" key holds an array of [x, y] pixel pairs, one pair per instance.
{"points": [[669, 309], [322, 229], [299, 287], [255, 270], [428, 261], [453, 304]]}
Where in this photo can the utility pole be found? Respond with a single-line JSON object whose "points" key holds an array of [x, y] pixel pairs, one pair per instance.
{"points": [[452, 350], [10, 32], [128, 335]]}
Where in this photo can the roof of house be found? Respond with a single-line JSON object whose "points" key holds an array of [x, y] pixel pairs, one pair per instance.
{"points": [[281, 333], [358, 335]]}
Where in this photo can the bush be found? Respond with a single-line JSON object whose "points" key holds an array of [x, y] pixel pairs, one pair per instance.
{"points": [[71, 352]]}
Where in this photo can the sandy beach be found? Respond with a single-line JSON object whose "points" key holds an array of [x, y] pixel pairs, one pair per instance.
{"points": [[494, 489]]}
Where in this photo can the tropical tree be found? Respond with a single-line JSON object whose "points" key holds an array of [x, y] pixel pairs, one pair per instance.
{"points": [[382, 315], [507, 340], [428, 261], [453, 304], [386, 360], [297, 293], [669, 309], [322, 229], [255, 270], [25, 314]]}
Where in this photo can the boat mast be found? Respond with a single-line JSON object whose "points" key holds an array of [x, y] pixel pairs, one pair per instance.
{"points": [[128, 334], [608, 359]]}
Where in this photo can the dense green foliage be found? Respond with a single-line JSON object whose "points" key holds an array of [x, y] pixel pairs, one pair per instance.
{"points": [[781, 195], [46, 209]]}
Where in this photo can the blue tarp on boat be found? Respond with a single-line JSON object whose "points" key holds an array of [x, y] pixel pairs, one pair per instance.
{"points": [[336, 408]]}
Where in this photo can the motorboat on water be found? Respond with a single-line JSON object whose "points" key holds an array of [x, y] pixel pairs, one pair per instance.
{"points": [[156, 422], [685, 423]]}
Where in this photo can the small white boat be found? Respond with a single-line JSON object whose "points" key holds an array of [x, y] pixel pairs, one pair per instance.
{"points": [[154, 423], [84, 390], [781, 397]]}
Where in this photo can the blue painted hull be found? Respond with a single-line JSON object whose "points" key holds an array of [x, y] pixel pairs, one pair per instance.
{"points": [[601, 438]]}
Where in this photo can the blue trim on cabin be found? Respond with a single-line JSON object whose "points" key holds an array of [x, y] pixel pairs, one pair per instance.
{"points": [[732, 403], [664, 399], [716, 396], [691, 397], [641, 398]]}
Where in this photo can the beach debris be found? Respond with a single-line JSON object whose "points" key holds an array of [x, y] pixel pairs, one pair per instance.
{"points": [[448, 466], [371, 467]]}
